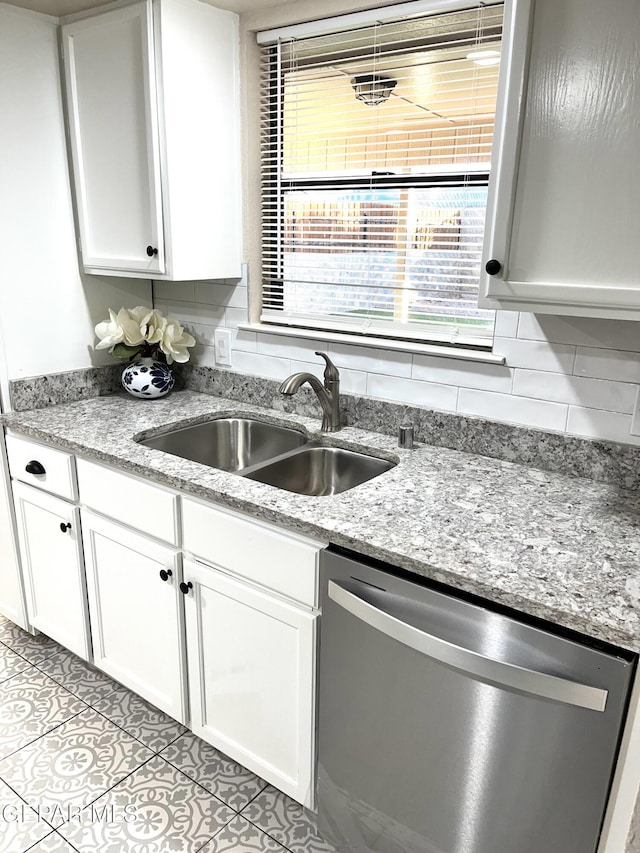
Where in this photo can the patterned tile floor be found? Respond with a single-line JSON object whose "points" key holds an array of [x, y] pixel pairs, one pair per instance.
{"points": [[87, 766]]}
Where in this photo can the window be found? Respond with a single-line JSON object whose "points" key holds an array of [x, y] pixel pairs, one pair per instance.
{"points": [[376, 145]]}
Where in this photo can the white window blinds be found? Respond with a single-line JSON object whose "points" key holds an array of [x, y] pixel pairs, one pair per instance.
{"points": [[376, 147]]}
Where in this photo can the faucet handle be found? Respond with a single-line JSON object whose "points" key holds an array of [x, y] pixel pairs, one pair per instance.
{"points": [[330, 371]]}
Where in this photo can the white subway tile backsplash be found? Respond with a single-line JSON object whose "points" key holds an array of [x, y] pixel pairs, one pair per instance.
{"points": [[203, 356], [607, 364], [516, 410], [192, 312], [575, 390], [412, 392], [536, 355], [258, 364], [506, 325], [221, 293], [353, 382], [287, 347], [174, 291], [245, 341], [371, 360], [451, 371], [562, 373], [234, 316], [608, 426], [202, 334], [314, 367], [580, 331]]}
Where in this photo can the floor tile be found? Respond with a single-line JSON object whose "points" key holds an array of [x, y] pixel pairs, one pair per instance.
{"points": [[214, 770], [141, 719], [70, 767], [33, 648], [10, 663], [154, 810], [53, 843], [31, 704], [240, 836], [286, 821], [80, 678], [20, 826]]}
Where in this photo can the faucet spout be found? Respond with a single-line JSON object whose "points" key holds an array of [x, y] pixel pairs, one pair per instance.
{"points": [[328, 394], [293, 382]]}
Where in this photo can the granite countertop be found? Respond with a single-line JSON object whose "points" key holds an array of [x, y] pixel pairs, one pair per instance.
{"points": [[556, 547]]}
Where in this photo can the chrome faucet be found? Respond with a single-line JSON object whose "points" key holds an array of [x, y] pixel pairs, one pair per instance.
{"points": [[327, 394]]}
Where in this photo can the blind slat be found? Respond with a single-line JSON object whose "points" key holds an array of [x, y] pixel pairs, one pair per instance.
{"points": [[376, 145]]}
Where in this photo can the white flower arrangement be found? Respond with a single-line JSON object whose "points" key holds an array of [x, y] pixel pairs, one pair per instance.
{"points": [[144, 331]]}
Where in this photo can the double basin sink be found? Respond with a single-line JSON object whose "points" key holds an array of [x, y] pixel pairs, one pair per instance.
{"points": [[272, 454]]}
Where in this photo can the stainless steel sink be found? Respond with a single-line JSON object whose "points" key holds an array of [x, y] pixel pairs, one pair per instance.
{"points": [[230, 444], [320, 470]]}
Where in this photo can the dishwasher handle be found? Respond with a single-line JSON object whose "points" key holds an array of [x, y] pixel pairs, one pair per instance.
{"points": [[497, 673]]}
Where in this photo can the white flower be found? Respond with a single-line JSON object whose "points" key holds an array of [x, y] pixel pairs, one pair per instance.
{"points": [[152, 326], [133, 334], [110, 332], [145, 330], [139, 313], [175, 341]]}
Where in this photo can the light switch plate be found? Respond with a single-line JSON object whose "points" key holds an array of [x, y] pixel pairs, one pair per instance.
{"points": [[222, 345]]}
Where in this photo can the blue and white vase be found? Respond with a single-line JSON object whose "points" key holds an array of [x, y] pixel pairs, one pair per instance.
{"points": [[145, 377]]}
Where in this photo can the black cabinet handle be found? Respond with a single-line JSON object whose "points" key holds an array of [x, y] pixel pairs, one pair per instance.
{"points": [[65, 527], [185, 587], [493, 266], [165, 574], [151, 251], [34, 467]]}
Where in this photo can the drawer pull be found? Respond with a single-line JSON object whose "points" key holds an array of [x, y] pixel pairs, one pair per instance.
{"points": [[165, 574], [185, 587], [65, 527], [34, 467]]}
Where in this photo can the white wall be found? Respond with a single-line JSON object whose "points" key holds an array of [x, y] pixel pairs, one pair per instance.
{"points": [[47, 309]]}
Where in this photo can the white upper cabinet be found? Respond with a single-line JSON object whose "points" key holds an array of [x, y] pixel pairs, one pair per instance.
{"points": [[153, 114], [563, 221]]}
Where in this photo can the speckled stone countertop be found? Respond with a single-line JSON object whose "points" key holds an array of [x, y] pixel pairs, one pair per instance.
{"points": [[560, 548]]}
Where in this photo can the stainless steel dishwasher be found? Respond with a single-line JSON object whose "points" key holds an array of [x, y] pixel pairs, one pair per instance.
{"points": [[448, 727]]}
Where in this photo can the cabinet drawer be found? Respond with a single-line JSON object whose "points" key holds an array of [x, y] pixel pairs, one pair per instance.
{"points": [[58, 474], [147, 508], [283, 562]]}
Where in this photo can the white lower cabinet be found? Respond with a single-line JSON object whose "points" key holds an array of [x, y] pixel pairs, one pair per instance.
{"points": [[252, 676], [136, 612], [226, 646], [53, 571]]}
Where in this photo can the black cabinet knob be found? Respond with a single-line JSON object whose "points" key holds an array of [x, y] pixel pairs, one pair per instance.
{"points": [[34, 467], [493, 266], [65, 527], [151, 251], [165, 574], [185, 587]]}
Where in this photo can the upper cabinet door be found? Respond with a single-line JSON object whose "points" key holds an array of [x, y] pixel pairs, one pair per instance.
{"points": [[112, 107], [154, 126], [566, 206]]}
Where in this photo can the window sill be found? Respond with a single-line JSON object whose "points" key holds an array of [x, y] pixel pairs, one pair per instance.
{"points": [[377, 343]]}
